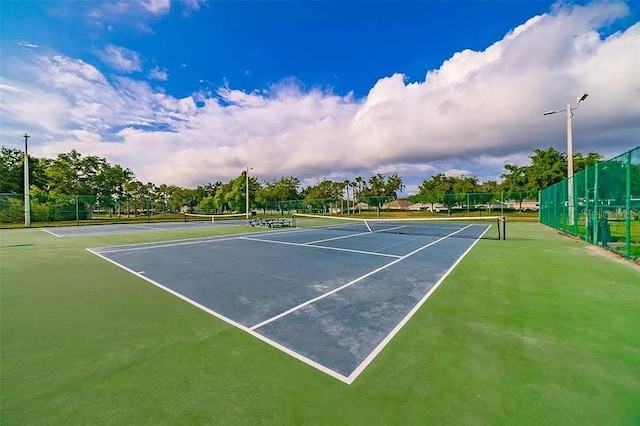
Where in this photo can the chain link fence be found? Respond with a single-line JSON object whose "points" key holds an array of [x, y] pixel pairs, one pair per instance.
{"points": [[600, 205], [51, 207], [472, 203]]}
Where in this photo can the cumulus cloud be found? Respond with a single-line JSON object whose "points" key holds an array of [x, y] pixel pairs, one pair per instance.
{"points": [[138, 14], [158, 73], [156, 7], [476, 112], [120, 58]]}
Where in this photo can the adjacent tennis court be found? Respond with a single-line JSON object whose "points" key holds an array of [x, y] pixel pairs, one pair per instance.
{"points": [[331, 294], [191, 221]]}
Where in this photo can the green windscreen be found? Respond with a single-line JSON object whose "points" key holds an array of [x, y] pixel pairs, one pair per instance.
{"points": [[601, 204]]}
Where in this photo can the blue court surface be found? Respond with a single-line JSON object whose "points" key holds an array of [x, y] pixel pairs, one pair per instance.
{"points": [[90, 230], [331, 299]]}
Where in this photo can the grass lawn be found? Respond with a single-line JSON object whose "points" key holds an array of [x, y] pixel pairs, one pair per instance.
{"points": [[538, 329]]}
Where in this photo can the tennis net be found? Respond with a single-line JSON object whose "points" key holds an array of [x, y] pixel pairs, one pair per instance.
{"points": [[490, 227], [194, 217]]}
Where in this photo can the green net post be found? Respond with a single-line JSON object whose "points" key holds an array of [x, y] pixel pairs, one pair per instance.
{"points": [[77, 212]]}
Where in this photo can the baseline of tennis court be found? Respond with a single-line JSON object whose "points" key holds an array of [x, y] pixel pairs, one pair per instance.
{"points": [[332, 300], [89, 230]]}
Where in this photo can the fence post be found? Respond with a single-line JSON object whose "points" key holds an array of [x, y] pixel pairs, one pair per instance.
{"points": [[574, 186], [586, 203], [596, 219], [627, 249], [540, 220]]}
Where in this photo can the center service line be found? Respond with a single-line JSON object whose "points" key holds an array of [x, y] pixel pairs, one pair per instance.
{"points": [[322, 296], [372, 253], [354, 235]]}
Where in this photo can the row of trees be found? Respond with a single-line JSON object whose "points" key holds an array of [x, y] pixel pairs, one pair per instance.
{"points": [[55, 181]]}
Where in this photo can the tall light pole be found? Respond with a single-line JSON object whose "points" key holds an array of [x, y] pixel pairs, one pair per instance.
{"points": [[27, 202], [246, 175], [569, 110]]}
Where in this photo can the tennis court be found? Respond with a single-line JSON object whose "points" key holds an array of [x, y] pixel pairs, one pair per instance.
{"points": [[538, 317], [331, 296]]}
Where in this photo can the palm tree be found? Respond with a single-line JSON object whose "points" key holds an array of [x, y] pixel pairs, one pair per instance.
{"points": [[353, 186], [360, 183], [347, 184]]}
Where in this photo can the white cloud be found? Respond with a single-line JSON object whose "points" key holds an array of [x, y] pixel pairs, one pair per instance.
{"points": [[158, 73], [457, 173], [120, 58], [138, 14], [156, 7], [28, 45], [475, 113], [192, 5], [9, 88]]}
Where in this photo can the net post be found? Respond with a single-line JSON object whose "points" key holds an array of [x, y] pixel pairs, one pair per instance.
{"points": [[185, 217], [504, 227]]}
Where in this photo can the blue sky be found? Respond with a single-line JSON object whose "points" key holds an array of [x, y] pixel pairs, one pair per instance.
{"points": [[190, 92]]}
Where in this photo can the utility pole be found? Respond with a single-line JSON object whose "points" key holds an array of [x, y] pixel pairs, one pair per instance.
{"points": [[247, 191], [27, 202], [570, 197]]}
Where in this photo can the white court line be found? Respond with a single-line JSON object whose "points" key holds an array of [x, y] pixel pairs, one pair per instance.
{"points": [[353, 235], [402, 242], [338, 238], [275, 344], [52, 233], [372, 253], [329, 293], [365, 363], [157, 228], [189, 241]]}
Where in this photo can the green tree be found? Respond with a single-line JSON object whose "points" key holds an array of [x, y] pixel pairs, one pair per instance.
{"points": [[11, 170], [514, 182], [581, 162], [548, 166], [393, 185], [207, 205], [438, 189], [272, 193], [322, 195]]}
